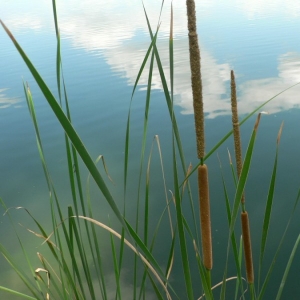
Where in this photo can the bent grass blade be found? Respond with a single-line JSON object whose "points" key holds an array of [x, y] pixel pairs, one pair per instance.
{"points": [[148, 260]]}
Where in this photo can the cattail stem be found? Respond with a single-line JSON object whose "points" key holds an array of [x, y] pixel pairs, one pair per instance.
{"points": [[196, 77], [247, 247], [205, 223]]}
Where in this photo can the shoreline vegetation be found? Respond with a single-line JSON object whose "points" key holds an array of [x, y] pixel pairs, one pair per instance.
{"points": [[76, 268]]}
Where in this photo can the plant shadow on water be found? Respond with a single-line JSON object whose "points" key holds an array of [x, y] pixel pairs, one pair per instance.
{"points": [[166, 252]]}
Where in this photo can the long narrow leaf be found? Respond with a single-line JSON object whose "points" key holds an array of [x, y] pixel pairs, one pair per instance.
{"points": [[267, 278], [233, 242], [226, 136], [287, 269], [15, 293], [244, 174], [72, 134], [268, 209]]}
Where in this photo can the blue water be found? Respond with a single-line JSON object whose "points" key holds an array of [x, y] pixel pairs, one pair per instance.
{"points": [[103, 46]]}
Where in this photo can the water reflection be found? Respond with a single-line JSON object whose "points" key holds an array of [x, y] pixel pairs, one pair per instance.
{"points": [[255, 92], [6, 101], [27, 21], [259, 9], [32, 15], [111, 40], [119, 33]]}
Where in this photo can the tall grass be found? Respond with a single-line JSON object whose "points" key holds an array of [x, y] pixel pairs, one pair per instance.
{"points": [[76, 270]]}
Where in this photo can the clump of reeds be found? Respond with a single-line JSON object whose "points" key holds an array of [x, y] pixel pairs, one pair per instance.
{"points": [[239, 164], [203, 185]]}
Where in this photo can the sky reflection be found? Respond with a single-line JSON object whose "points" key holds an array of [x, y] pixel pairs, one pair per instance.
{"points": [[6, 101], [118, 32]]}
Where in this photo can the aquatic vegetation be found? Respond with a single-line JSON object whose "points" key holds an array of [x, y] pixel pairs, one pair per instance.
{"points": [[76, 268]]}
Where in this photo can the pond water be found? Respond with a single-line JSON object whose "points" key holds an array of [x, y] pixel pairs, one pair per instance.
{"points": [[103, 44]]}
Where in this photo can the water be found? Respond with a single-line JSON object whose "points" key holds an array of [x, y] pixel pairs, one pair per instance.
{"points": [[103, 46]]}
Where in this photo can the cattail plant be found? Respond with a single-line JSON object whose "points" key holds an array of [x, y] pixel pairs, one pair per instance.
{"points": [[239, 164], [203, 185]]}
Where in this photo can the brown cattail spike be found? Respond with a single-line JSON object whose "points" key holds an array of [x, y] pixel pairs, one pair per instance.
{"points": [[236, 126], [205, 223], [236, 129], [247, 247], [196, 78]]}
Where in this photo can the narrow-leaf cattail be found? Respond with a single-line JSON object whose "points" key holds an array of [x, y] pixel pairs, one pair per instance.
{"points": [[205, 223], [247, 247]]}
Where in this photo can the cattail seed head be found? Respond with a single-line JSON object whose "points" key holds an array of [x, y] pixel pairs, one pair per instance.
{"points": [[205, 222], [196, 78], [236, 129]]}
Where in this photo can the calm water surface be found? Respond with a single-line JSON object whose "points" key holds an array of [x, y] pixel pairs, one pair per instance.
{"points": [[103, 46]]}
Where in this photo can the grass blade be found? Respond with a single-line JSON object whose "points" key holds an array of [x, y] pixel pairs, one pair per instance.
{"points": [[267, 278], [116, 268], [15, 293], [226, 136], [287, 269], [244, 174], [70, 131], [127, 137], [268, 210], [240, 190], [236, 254]]}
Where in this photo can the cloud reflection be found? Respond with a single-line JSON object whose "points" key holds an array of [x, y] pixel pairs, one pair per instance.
{"points": [[101, 25], [126, 60], [120, 35], [6, 101], [20, 15], [123, 48], [255, 92], [256, 9], [28, 21]]}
